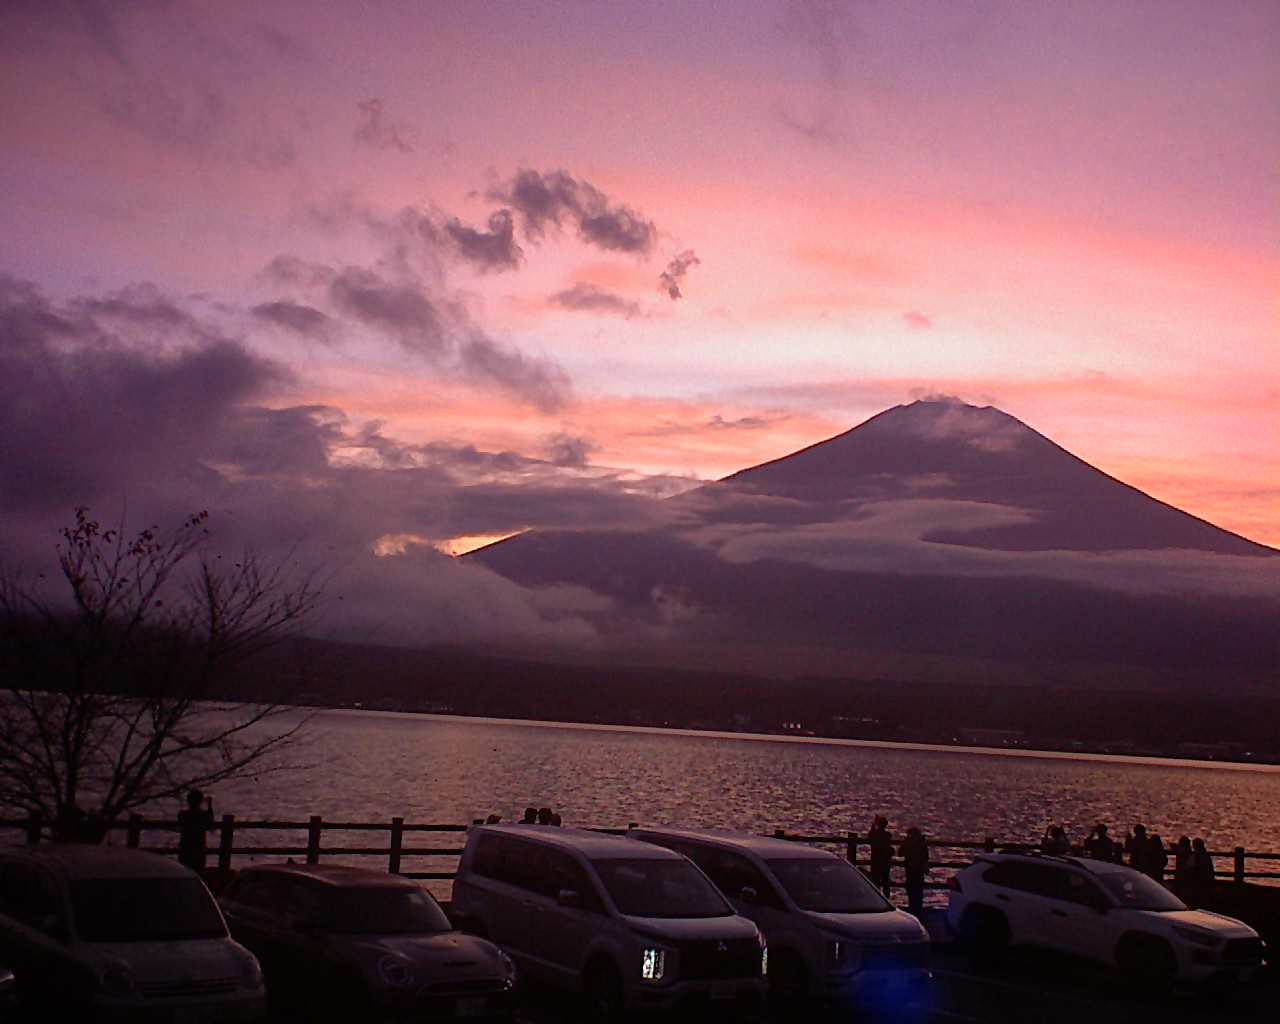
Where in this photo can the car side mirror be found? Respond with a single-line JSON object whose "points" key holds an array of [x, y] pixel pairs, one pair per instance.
{"points": [[748, 895], [569, 898]]}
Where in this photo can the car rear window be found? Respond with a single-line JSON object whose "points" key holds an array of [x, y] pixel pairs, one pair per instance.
{"points": [[827, 886], [144, 910], [660, 888], [379, 911]]}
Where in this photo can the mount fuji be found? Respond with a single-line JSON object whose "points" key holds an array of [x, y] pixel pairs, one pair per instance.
{"points": [[935, 537]]}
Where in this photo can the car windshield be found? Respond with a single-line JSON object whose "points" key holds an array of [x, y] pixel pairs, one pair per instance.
{"points": [[660, 888], [1138, 892], [380, 911], [827, 886], [144, 910]]}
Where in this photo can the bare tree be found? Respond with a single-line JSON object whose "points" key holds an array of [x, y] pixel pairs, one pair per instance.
{"points": [[123, 694]]}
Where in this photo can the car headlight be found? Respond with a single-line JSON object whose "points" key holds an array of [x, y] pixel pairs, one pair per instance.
{"points": [[509, 966], [117, 980], [764, 955], [1195, 935], [839, 952], [396, 971], [653, 963], [250, 973]]}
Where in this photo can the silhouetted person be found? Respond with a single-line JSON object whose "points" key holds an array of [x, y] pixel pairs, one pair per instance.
{"points": [[1182, 862], [530, 816], [555, 818], [193, 828], [915, 865], [1100, 846], [1157, 857], [493, 819], [544, 815], [881, 853], [1135, 848], [1055, 841], [1202, 872]]}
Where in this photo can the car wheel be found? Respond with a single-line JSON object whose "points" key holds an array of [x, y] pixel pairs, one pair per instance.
{"points": [[984, 935], [788, 978], [1148, 962], [603, 990]]}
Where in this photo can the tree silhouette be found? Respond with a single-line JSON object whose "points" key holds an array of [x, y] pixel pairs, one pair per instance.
{"points": [[117, 693]]}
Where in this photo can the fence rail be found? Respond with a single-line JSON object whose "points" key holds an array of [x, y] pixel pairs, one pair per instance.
{"points": [[947, 855]]}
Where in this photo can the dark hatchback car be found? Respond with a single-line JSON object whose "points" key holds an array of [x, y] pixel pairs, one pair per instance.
{"points": [[351, 943]]}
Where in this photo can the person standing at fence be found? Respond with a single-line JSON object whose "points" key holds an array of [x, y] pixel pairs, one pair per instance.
{"points": [[1202, 872], [881, 852], [1055, 841], [1157, 857], [193, 828], [915, 865], [1182, 862], [1135, 848]]}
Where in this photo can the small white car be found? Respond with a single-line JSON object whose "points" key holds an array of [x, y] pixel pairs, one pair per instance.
{"points": [[1098, 910], [831, 934], [629, 925], [95, 932]]}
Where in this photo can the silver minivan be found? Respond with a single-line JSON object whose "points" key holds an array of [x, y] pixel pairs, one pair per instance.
{"points": [[630, 925], [831, 934], [100, 931]]}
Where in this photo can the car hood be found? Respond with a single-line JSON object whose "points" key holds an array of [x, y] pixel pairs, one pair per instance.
{"points": [[444, 955], [685, 929], [1206, 920], [886, 926], [193, 960]]}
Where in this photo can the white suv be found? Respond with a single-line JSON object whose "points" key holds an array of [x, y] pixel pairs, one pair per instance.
{"points": [[1099, 910], [831, 934], [632, 926]]}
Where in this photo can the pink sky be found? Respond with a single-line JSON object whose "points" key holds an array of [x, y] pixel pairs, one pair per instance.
{"points": [[1071, 211]]}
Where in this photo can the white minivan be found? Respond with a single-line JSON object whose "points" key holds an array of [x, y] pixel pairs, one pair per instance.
{"points": [[831, 934], [630, 925], [99, 931]]}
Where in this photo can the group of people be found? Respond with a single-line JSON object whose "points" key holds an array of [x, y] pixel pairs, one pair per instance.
{"points": [[914, 851], [1142, 850], [540, 816]]}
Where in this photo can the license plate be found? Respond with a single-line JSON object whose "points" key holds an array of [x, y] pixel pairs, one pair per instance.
{"points": [[722, 990], [469, 1006]]}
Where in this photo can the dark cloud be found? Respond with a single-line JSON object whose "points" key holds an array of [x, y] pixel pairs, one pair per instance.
{"points": [[298, 273], [539, 382], [399, 309], [671, 278], [495, 249], [569, 451], [590, 298], [558, 199], [917, 320], [374, 129], [305, 320]]}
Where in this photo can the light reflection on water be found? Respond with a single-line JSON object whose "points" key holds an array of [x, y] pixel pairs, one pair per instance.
{"points": [[370, 765]]}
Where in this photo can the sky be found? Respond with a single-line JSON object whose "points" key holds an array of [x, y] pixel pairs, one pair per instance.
{"points": [[393, 278]]}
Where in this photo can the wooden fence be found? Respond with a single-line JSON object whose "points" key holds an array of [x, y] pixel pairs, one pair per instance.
{"points": [[947, 855]]}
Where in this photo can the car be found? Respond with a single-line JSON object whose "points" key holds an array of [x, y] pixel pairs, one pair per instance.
{"points": [[628, 925], [832, 936], [97, 931], [1101, 911], [354, 942]]}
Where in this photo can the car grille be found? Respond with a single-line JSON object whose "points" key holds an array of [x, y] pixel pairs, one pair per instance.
{"points": [[187, 987], [716, 958], [896, 957], [1242, 951]]}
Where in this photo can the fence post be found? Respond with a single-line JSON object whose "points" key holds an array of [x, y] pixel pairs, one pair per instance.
{"points": [[851, 848], [313, 840], [397, 844], [989, 844], [34, 824], [225, 839], [134, 836], [1239, 865]]}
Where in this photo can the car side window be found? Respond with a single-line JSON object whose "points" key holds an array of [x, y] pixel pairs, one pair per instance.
{"points": [[732, 873], [26, 896], [1076, 888], [563, 872], [1037, 879], [509, 860]]}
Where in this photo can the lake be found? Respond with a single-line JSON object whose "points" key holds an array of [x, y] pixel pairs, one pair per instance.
{"points": [[427, 768]]}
